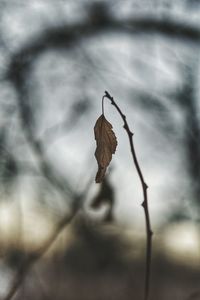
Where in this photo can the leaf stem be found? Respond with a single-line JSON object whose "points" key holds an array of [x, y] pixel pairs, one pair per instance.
{"points": [[149, 232], [102, 103]]}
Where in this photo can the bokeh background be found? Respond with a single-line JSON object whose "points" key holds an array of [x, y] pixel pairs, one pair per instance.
{"points": [[56, 60]]}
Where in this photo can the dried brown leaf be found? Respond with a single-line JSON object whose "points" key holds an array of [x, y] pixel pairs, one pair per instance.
{"points": [[106, 145]]}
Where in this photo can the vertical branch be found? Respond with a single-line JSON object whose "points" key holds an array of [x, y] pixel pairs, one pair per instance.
{"points": [[149, 232]]}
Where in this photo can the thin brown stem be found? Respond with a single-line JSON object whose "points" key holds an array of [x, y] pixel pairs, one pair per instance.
{"points": [[102, 103], [149, 232]]}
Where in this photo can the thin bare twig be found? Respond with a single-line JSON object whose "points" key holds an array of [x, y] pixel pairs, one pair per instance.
{"points": [[149, 232]]}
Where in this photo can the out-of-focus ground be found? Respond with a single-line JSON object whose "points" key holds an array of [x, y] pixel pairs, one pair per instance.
{"points": [[90, 260]]}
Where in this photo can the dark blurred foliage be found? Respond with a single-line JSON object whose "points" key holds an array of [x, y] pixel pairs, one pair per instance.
{"points": [[9, 167], [105, 195], [94, 250]]}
